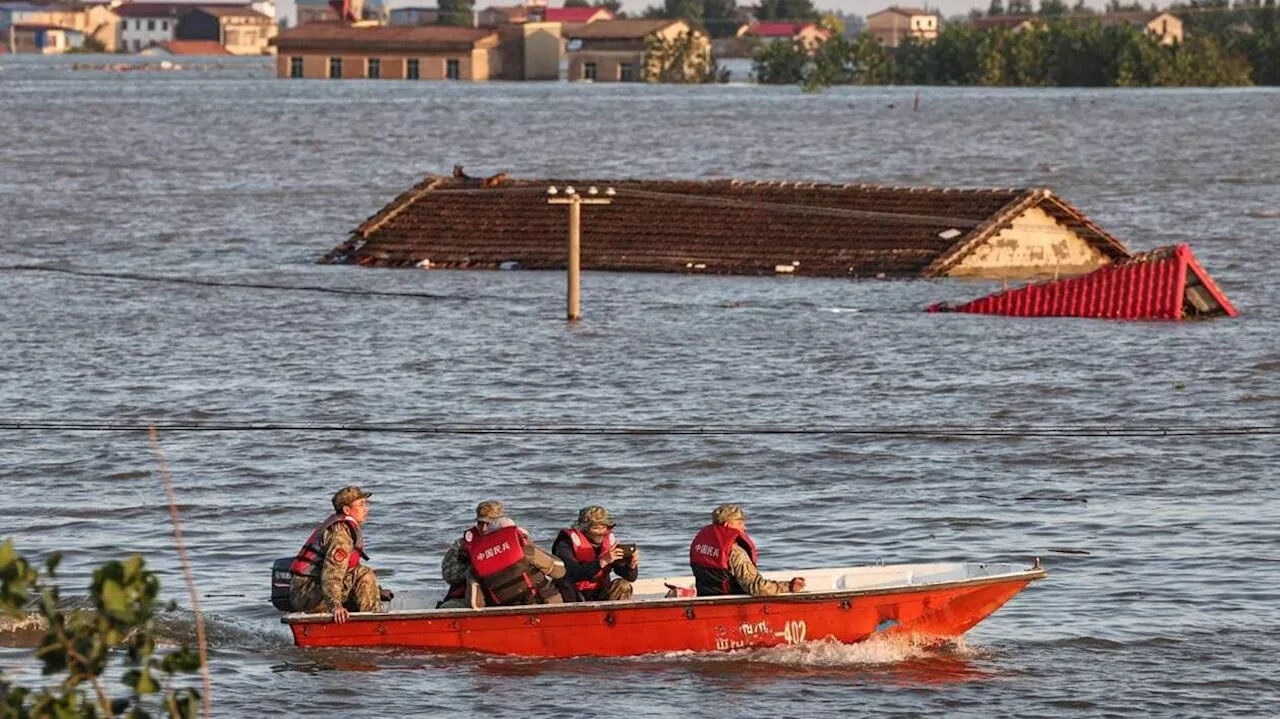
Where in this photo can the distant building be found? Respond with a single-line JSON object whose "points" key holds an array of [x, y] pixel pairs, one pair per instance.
{"points": [[618, 50], [808, 34], [94, 20], [414, 16], [43, 39], [335, 10], [1012, 23], [437, 52], [895, 24], [143, 24], [240, 29], [1165, 27], [498, 15]]}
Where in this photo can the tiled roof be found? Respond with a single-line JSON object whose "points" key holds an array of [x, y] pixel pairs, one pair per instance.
{"points": [[727, 226], [409, 37], [619, 29], [776, 29], [167, 9], [906, 11], [1003, 21], [194, 47], [232, 11], [573, 14]]}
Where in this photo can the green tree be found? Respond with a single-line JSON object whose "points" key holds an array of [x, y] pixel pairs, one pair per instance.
{"points": [[996, 8], [780, 63], [77, 648], [684, 59], [1052, 8], [787, 10], [456, 12]]}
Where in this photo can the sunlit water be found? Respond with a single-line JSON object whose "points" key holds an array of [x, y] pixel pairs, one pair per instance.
{"points": [[1163, 602]]}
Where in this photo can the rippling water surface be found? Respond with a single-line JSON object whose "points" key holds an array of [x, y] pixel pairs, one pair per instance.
{"points": [[1163, 554]]}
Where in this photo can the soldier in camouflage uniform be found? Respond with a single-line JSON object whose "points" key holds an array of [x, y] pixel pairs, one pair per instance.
{"points": [[723, 559], [327, 573], [456, 567], [590, 554]]}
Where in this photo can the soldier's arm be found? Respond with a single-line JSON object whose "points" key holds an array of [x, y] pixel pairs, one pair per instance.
{"points": [[748, 576], [339, 544], [455, 565], [547, 564]]}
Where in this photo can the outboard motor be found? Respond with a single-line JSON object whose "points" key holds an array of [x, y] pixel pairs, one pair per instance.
{"points": [[281, 576]]}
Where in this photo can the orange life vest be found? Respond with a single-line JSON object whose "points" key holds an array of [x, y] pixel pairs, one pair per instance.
{"points": [[586, 553], [709, 559], [311, 556], [503, 569]]}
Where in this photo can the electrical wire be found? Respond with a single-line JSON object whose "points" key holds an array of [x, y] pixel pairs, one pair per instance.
{"points": [[704, 430]]}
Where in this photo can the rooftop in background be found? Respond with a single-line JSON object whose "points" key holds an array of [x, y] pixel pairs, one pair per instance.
{"points": [[416, 37], [735, 227], [618, 29]]}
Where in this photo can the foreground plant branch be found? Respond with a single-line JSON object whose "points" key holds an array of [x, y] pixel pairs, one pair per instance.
{"points": [[176, 519]]}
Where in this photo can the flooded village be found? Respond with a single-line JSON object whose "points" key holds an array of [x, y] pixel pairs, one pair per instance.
{"points": [[919, 360]]}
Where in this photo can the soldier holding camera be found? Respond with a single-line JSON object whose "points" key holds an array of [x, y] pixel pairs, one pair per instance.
{"points": [[591, 554]]}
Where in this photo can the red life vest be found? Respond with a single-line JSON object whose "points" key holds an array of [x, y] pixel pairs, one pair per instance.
{"points": [[709, 559], [585, 553], [504, 570], [311, 556]]}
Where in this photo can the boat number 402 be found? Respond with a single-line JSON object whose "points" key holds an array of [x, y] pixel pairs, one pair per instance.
{"points": [[794, 632]]}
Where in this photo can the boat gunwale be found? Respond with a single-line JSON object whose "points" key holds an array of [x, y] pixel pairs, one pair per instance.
{"points": [[1031, 574]]}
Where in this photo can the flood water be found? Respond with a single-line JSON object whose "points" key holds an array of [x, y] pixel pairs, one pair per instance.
{"points": [[1163, 553]]}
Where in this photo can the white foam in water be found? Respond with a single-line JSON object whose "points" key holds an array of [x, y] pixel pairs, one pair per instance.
{"points": [[840, 310], [831, 653]]}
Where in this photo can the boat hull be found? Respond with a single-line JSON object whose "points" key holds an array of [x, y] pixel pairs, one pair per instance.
{"points": [[932, 612]]}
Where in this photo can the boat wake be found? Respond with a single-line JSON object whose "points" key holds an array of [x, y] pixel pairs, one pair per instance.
{"points": [[885, 651]]}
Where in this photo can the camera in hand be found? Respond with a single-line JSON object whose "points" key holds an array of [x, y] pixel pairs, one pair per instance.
{"points": [[627, 550]]}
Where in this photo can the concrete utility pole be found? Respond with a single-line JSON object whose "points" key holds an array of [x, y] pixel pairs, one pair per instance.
{"points": [[575, 203]]}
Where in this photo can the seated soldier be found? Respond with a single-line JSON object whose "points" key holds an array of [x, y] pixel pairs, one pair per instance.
{"points": [[510, 569], [590, 554], [724, 559], [456, 566], [327, 573]]}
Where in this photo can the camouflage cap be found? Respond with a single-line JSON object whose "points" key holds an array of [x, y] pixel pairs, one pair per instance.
{"points": [[726, 513], [491, 509], [594, 514], [347, 495]]}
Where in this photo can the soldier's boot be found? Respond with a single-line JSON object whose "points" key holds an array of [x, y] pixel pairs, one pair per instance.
{"points": [[619, 590]]}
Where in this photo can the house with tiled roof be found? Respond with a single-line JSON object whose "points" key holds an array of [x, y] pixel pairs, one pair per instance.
{"points": [[429, 52], [738, 227], [1165, 27], [895, 24], [618, 50], [810, 35]]}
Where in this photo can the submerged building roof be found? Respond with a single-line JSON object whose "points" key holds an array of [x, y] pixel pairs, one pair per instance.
{"points": [[736, 227]]}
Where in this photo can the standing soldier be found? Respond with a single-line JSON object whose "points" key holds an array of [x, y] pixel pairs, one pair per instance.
{"points": [[724, 559], [590, 554], [327, 573], [457, 564]]}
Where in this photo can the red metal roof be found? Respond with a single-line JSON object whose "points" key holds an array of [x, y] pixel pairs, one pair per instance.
{"points": [[776, 29], [1164, 284], [575, 14]]}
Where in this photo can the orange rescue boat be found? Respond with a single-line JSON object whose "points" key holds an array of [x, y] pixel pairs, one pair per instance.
{"points": [[930, 602]]}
